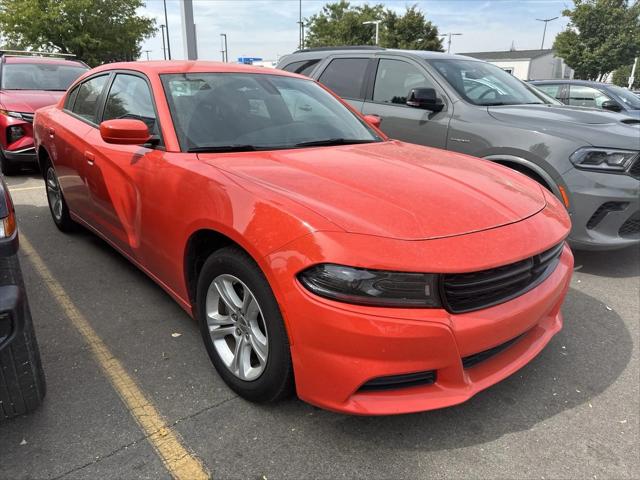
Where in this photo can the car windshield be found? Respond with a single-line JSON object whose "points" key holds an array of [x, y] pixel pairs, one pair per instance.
{"points": [[221, 112], [40, 76], [630, 100], [485, 84]]}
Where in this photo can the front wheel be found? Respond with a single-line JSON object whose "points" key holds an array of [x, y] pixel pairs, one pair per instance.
{"points": [[57, 204], [242, 327]]}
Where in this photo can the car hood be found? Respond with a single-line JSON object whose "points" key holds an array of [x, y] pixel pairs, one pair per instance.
{"points": [[28, 101], [591, 126], [392, 189]]}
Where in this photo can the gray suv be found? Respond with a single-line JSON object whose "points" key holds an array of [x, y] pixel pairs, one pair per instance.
{"points": [[590, 159]]}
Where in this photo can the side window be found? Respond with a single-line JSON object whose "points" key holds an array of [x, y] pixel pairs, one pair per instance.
{"points": [[395, 79], [88, 98], [551, 90], [304, 67], [583, 96], [130, 97], [345, 76], [71, 98]]}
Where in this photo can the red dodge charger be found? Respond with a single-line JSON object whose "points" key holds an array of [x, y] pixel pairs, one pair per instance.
{"points": [[369, 275]]}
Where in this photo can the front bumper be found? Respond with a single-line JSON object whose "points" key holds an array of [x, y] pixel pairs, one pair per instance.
{"points": [[605, 210], [25, 156], [350, 346]]}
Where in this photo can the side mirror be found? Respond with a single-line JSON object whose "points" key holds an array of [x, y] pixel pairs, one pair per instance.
{"points": [[611, 106], [425, 98], [125, 131], [373, 120]]}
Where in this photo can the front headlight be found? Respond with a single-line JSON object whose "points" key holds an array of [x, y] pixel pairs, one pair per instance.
{"points": [[17, 115], [372, 287], [603, 159]]}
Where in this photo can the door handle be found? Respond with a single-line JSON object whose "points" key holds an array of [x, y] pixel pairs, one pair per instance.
{"points": [[89, 157], [51, 131]]}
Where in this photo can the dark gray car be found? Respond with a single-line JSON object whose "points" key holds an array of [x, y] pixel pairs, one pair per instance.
{"points": [[590, 159], [583, 93]]}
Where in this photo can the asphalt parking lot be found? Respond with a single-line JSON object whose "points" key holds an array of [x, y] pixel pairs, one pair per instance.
{"points": [[572, 413]]}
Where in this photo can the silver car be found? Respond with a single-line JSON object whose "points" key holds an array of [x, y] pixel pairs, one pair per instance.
{"points": [[590, 159]]}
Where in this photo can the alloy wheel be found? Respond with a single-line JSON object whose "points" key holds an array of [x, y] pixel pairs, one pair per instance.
{"points": [[237, 327], [53, 194]]}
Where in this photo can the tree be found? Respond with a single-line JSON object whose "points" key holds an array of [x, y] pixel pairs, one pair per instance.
{"points": [[622, 74], [340, 23], [96, 31], [602, 35]]}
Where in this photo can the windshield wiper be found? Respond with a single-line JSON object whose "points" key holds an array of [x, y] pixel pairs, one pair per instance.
{"points": [[224, 148], [333, 141]]}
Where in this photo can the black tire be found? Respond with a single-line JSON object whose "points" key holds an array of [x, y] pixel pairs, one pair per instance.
{"points": [[7, 167], [276, 381], [63, 221], [22, 381]]}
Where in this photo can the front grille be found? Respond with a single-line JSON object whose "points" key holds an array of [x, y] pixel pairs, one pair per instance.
{"points": [[602, 211], [631, 227], [465, 292], [634, 171], [395, 382], [476, 358], [27, 117]]}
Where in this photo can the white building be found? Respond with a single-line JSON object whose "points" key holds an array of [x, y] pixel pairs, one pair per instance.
{"points": [[527, 64]]}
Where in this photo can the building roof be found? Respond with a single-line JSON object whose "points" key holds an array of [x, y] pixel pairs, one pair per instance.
{"points": [[509, 54]]}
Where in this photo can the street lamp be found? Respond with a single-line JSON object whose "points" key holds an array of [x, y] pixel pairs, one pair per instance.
{"points": [[377, 24], [545, 20], [449, 42], [164, 48], [166, 24], [224, 51]]}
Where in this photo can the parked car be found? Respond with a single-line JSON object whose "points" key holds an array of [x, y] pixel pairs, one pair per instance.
{"points": [[28, 81], [384, 277], [583, 93], [588, 159], [22, 382]]}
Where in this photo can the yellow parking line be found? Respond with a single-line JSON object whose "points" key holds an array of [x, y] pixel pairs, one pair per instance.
{"points": [[180, 463], [22, 189]]}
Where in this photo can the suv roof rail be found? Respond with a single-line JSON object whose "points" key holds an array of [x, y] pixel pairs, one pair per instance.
{"points": [[20, 53], [343, 47]]}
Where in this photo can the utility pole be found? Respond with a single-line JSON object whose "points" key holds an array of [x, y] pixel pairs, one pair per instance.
{"points": [[449, 42], [300, 27], [166, 24], [147, 52], [164, 48], [544, 33], [224, 50], [632, 78], [377, 24]]}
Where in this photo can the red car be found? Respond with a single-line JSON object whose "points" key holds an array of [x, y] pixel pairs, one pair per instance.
{"points": [[371, 275], [28, 81]]}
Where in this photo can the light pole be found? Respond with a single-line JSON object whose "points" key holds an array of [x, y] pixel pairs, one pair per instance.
{"points": [[166, 23], [164, 48], [449, 42], [377, 24], [301, 27], [147, 52], [544, 33], [224, 51]]}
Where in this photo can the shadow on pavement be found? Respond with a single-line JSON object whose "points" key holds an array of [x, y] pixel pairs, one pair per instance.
{"points": [[623, 263]]}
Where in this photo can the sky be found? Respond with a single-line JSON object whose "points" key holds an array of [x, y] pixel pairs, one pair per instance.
{"points": [[268, 29]]}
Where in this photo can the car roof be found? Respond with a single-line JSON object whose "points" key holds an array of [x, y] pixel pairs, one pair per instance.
{"points": [[158, 67], [572, 82], [369, 50], [40, 60]]}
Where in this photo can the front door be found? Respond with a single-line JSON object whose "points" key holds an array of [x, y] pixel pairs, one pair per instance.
{"points": [[394, 80]]}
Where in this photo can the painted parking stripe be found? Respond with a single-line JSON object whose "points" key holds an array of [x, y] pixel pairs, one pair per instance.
{"points": [[167, 443], [23, 189]]}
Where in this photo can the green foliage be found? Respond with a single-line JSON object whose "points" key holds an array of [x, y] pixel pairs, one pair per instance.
{"points": [[622, 74], [342, 24], [97, 31], [602, 35]]}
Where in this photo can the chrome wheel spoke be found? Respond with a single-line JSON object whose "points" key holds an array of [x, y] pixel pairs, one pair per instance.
{"points": [[260, 348], [227, 293], [221, 332]]}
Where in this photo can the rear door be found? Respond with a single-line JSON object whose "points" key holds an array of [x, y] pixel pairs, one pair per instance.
{"points": [[393, 81], [555, 90], [346, 76], [68, 132]]}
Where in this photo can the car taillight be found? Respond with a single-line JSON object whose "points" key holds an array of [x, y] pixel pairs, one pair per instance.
{"points": [[8, 223], [14, 133]]}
